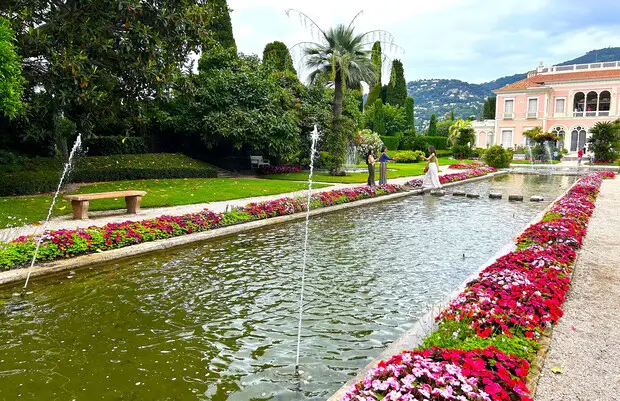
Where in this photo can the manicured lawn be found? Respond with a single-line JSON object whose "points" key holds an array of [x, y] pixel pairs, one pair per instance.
{"points": [[163, 192], [400, 170]]}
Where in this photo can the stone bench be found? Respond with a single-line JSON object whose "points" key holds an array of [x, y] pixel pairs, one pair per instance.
{"points": [[79, 202]]}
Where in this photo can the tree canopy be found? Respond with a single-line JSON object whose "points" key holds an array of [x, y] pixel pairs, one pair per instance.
{"points": [[432, 127], [397, 88], [11, 80], [277, 56], [488, 111]]}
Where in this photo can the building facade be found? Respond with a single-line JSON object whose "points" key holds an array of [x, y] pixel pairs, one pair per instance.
{"points": [[567, 100]]}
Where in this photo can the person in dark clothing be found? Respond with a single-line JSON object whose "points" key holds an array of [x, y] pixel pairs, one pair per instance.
{"points": [[370, 160], [383, 159]]}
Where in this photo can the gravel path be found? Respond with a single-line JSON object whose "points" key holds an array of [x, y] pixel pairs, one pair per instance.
{"points": [[586, 342]]}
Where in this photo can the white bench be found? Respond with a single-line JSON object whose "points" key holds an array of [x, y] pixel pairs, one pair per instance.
{"points": [[258, 162]]}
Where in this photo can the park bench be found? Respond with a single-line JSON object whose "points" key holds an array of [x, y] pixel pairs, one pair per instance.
{"points": [[79, 202], [258, 162]]}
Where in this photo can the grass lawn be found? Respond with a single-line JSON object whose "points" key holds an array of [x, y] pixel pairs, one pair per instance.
{"points": [[162, 192], [401, 170]]}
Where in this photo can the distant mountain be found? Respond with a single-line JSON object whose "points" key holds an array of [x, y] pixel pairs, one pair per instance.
{"points": [[440, 96]]}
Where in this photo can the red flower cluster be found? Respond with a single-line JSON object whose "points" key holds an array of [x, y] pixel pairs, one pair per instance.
{"points": [[454, 177], [267, 170], [445, 374], [464, 166]]}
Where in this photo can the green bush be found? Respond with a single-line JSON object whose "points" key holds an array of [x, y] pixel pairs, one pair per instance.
{"points": [[41, 175], [462, 152], [115, 145], [498, 157], [391, 142], [407, 156], [439, 142]]}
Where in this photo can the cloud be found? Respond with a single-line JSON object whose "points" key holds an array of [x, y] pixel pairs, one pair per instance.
{"points": [[473, 40]]}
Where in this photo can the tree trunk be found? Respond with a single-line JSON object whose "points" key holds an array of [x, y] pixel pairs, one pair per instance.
{"points": [[336, 142]]}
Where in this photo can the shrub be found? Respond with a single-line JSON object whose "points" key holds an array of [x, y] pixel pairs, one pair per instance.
{"points": [[439, 142], [115, 145], [498, 157], [407, 156], [391, 142], [462, 152]]}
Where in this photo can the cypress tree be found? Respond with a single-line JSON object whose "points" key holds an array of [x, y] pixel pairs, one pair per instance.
{"points": [[409, 112], [375, 91], [452, 115], [221, 26], [277, 56], [397, 89], [432, 126], [379, 119], [488, 111]]}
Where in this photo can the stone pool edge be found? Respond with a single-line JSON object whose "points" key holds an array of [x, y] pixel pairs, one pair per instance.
{"points": [[426, 325], [50, 268]]}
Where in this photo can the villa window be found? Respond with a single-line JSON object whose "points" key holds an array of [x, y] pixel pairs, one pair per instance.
{"points": [[490, 139], [591, 104], [577, 138], [604, 104], [509, 108], [507, 138], [579, 105], [532, 108], [559, 131], [560, 104]]}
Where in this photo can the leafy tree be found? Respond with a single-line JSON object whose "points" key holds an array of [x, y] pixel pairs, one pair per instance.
{"points": [[375, 90], [498, 157], [460, 133], [386, 119], [85, 60], [432, 126], [375, 118], [443, 127], [341, 57], [239, 104], [397, 88], [537, 135], [277, 56], [488, 110], [605, 140], [11, 80], [220, 26], [410, 113]]}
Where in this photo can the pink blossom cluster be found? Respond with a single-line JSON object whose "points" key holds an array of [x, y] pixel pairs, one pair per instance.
{"points": [[454, 177], [445, 374], [464, 166], [283, 169]]}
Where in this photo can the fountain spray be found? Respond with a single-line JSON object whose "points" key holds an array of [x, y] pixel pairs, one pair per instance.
{"points": [[315, 137], [76, 146]]}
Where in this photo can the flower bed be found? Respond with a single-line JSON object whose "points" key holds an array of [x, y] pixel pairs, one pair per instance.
{"points": [[454, 177], [465, 166], [267, 170], [501, 314]]}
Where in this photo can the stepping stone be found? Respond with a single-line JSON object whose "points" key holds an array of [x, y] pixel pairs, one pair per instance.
{"points": [[537, 198], [473, 195], [515, 197], [438, 192], [459, 193], [495, 195]]}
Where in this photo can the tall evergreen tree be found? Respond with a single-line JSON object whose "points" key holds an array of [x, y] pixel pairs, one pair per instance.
{"points": [[397, 89], [488, 111], [432, 126], [379, 118], [452, 115], [221, 26], [277, 56], [409, 112], [375, 91]]}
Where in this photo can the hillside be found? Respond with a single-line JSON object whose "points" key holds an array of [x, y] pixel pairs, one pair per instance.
{"points": [[440, 96]]}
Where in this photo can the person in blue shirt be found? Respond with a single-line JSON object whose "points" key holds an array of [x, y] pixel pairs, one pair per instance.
{"points": [[383, 166]]}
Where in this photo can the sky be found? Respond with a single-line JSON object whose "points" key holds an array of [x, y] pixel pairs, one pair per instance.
{"points": [[472, 40]]}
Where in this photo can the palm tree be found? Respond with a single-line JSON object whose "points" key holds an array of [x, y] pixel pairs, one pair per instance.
{"points": [[456, 128], [342, 58]]}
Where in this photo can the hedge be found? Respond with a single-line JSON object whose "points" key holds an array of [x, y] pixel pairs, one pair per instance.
{"points": [[439, 142], [115, 145], [41, 175], [391, 142]]}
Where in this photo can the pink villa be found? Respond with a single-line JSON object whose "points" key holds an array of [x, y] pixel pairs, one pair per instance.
{"points": [[567, 100]]}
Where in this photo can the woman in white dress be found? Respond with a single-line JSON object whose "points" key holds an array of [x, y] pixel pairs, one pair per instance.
{"points": [[431, 179]]}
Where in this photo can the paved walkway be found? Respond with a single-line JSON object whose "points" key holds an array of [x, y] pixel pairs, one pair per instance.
{"points": [[101, 218], [585, 346]]}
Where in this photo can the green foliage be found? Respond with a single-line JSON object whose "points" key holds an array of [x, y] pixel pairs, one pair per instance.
{"points": [[537, 135], [438, 142], [432, 127], [11, 79], [236, 217], [443, 128], [397, 88], [498, 157], [375, 90], [462, 152], [40, 175], [391, 142], [386, 119], [277, 57], [461, 133], [115, 145], [237, 103], [94, 60], [220, 27], [410, 113], [458, 335], [488, 110], [375, 118], [605, 141], [407, 156]]}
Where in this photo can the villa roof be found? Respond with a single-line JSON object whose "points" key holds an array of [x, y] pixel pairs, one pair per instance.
{"points": [[543, 79]]}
